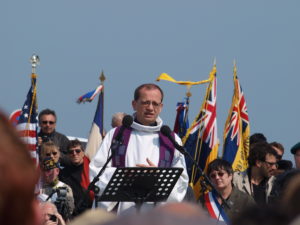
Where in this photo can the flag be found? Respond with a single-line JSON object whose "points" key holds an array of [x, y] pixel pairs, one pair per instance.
{"points": [[97, 132], [167, 77], [90, 95], [182, 121], [201, 140], [237, 130], [28, 122]]}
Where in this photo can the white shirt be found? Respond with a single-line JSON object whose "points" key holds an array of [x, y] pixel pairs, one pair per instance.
{"points": [[143, 144]]}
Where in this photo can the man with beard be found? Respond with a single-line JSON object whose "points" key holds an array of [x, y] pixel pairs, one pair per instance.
{"points": [[257, 180]]}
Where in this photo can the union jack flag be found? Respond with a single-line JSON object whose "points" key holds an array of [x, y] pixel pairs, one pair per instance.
{"points": [[201, 139], [28, 122], [237, 130], [182, 121]]}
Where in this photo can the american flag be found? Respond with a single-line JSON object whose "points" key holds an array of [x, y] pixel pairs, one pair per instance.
{"points": [[28, 121], [237, 130], [201, 139]]}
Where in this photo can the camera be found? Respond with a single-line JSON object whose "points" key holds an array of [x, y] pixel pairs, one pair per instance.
{"points": [[53, 218], [61, 202], [45, 138]]}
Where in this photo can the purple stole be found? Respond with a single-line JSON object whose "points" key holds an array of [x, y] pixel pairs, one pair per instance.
{"points": [[166, 149]]}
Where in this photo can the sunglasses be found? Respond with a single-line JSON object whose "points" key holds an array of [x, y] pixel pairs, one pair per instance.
{"points": [[214, 175], [73, 151], [51, 153], [48, 122]]}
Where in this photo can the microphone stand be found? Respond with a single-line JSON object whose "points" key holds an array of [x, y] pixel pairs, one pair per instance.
{"points": [[206, 180], [92, 186]]}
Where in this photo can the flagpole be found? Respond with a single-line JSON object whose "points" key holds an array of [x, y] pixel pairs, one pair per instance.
{"points": [[102, 79]]}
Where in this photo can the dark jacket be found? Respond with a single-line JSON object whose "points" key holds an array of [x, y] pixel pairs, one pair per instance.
{"points": [[237, 201]]}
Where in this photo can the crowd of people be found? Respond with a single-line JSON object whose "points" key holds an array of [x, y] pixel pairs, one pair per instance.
{"points": [[63, 189]]}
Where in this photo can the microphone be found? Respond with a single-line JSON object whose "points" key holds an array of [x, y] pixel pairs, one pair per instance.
{"points": [[126, 123], [165, 130]]}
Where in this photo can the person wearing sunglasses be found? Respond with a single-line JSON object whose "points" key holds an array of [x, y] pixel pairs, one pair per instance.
{"points": [[54, 190], [220, 173], [258, 179], [49, 149], [76, 175], [47, 123]]}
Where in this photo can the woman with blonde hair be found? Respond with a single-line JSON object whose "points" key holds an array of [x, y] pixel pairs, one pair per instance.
{"points": [[49, 149]]}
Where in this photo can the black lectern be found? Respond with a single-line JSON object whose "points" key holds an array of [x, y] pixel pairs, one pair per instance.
{"points": [[136, 184]]}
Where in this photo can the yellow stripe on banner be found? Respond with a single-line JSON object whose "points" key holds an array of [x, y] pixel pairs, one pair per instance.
{"points": [[167, 77]]}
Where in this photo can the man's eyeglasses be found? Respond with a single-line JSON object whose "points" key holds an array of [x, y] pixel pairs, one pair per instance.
{"points": [[51, 153], [271, 164], [214, 175], [148, 103], [46, 122], [73, 151]]}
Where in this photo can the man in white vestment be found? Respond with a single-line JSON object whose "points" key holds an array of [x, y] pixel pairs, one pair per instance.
{"points": [[143, 148]]}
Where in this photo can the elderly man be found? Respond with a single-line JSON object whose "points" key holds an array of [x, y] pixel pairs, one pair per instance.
{"points": [[295, 150], [47, 122], [54, 190], [76, 175], [50, 215], [143, 149], [258, 181]]}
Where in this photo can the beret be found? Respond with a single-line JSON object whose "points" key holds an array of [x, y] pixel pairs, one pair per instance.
{"points": [[295, 148]]}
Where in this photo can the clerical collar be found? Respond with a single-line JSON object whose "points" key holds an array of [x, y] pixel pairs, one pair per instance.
{"points": [[151, 125]]}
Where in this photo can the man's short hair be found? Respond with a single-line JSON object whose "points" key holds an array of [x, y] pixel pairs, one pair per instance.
{"points": [[219, 164], [277, 145], [116, 118], [149, 86], [75, 143], [258, 151], [257, 137], [47, 112]]}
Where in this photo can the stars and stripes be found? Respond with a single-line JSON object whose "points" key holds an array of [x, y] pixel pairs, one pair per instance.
{"points": [[28, 121]]}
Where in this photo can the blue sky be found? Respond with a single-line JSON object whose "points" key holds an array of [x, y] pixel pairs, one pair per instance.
{"points": [[134, 41]]}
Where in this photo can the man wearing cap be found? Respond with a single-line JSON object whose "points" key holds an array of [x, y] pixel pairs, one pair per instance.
{"points": [[295, 150], [143, 145], [54, 190]]}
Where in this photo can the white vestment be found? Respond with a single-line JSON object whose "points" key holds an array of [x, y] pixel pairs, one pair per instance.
{"points": [[143, 144]]}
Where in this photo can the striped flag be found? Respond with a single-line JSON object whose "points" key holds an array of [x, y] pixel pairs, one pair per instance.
{"points": [[182, 121], [88, 97], [201, 139], [28, 122], [237, 130], [97, 131]]}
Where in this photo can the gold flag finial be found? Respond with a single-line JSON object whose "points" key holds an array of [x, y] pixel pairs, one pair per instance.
{"points": [[102, 77]]}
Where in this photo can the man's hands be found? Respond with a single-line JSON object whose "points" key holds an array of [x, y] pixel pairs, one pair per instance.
{"points": [[150, 164]]}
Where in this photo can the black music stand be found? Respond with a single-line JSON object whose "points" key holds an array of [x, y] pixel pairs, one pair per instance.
{"points": [[141, 184]]}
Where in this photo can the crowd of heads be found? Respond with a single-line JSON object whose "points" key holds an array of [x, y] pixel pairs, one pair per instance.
{"points": [[19, 176]]}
